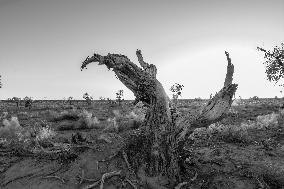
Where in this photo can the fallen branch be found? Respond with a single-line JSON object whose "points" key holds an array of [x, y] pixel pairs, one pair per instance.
{"points": [[181, 185], [131, 183], [56, 177], [104, 177], [92, 185], [126, 160], [82, 178], [108, 175], [195, 177]]}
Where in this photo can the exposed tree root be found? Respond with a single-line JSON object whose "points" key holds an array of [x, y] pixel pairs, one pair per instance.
{"points": [[152, 182], [131, 183], [195, 177], [82, 178], [17, 178], [92, 185], [56, 177], [109, 158], [30, 175], [102, 181], [108, 175], [126, 161], [180, 185]]}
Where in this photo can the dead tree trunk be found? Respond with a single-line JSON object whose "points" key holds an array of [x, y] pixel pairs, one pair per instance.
{"points": [[214, 110], [163, 135]]}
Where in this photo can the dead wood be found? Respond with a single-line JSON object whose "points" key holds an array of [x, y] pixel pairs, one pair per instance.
{"points": [[214, 110], [102, 181], [54, 176], [160, 136]]}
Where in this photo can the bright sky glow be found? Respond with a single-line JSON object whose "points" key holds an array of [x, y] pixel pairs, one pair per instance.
{"points": [[43, 43]]}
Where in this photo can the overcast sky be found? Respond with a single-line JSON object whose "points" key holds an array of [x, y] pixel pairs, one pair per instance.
{"points": [[42, 44]]}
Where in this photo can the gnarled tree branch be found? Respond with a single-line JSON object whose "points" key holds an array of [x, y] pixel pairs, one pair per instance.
{"points": [[161, 147], [149, 68], [215, 109]]}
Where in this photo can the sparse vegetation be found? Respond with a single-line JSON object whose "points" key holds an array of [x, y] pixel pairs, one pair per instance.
{"points": [[119, 97], [255, 134], [205, 138], [274, 62], [176, 90], [16, 100], [70, 100], [88, 98], [28, 102]]}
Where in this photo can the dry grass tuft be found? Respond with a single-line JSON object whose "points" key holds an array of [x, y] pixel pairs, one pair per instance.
{"points": [[11, 128]]}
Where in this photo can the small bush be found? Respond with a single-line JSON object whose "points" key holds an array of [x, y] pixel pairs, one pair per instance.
{"points": [[227, 133], [117, 113], [45, 133], [237, 102], [24, 138], [235, 134], [266, 121], [136, 115], [112, 125], [88, 120], [11, 128]]}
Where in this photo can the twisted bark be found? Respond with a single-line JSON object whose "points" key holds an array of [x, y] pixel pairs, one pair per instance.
{"points": [[162, 132]]}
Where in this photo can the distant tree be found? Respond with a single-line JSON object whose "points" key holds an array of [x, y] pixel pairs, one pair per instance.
{"points": [[119, 97], [274, 62], [88, 98], [176, 90], [28, 102], [69, 100], [110, 101], [16, 100], [255, 98], [102, 98]]}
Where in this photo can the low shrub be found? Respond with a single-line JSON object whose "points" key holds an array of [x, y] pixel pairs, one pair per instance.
{"points": [[227, 133], [24, 138], [265, 121], [233, 133], [11, 128], [87, 120]]}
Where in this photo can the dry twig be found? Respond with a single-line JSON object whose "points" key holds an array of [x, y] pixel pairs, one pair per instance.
{"points": [[104, 177], [181, 185], [126, 160], [195, 176], [54, 176], [108, 175], [82, 178], [131, 183]]}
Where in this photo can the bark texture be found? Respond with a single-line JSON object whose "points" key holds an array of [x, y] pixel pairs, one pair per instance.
{"points": [[214, 110], [163, 133]]}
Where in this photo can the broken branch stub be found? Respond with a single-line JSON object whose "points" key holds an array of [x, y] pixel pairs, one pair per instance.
{"points": [[142, 82], [149, 68], [214, 110], [230, 71]]}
